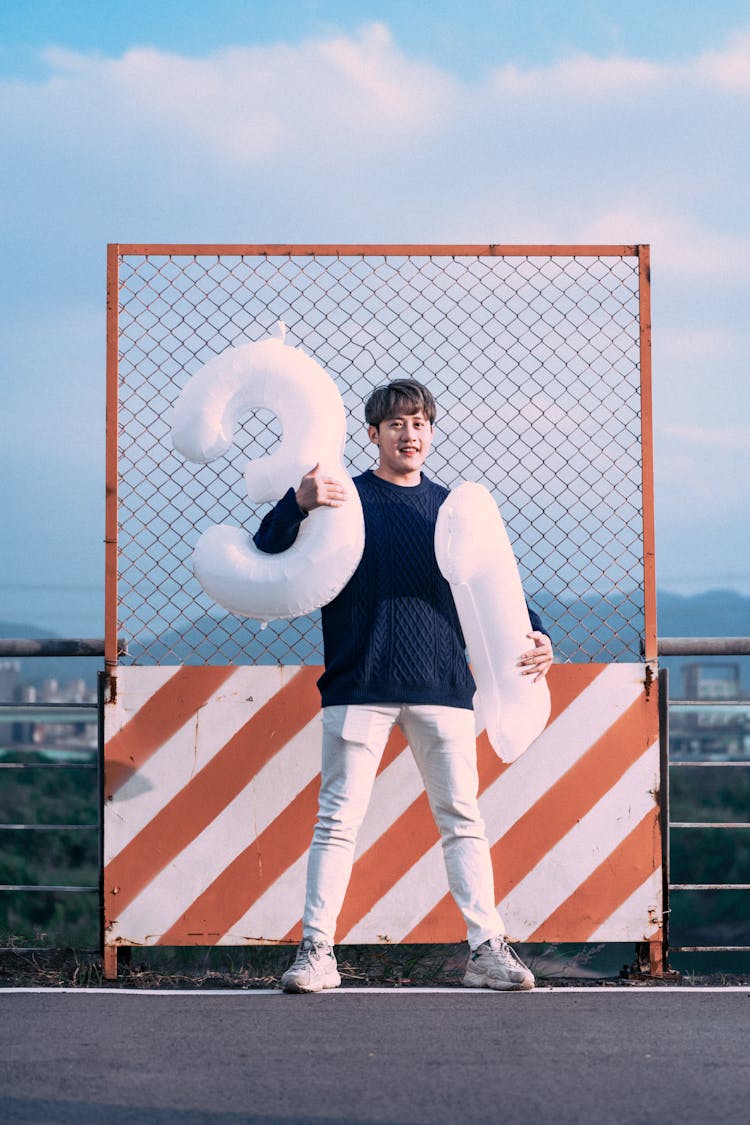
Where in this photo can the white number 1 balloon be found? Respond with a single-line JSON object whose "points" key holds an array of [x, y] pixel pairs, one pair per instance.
{"points": [[475, 556]]}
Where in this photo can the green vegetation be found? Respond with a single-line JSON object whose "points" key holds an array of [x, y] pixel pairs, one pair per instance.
{"points": [[42, 795], [707, 855], [66, 856]]}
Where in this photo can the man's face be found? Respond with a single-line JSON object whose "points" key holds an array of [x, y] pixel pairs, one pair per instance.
{"points": [[404, 442]]}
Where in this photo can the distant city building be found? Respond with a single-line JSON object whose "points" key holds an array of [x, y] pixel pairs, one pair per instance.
{"points": [[37, 732], [712, 681], [9, 678], [712, 732]]}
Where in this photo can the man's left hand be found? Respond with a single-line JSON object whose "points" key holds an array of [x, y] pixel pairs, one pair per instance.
{"points": [[538, 660]]}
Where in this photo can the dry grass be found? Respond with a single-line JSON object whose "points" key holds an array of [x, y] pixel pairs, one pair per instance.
{"points": [[250, 968], [259, 967]]}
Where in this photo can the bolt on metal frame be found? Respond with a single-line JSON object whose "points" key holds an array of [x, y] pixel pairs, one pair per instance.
{"points": [[539, 357]]}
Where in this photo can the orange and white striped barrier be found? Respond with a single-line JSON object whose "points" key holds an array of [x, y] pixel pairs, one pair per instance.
{"points": [[211, 784]]}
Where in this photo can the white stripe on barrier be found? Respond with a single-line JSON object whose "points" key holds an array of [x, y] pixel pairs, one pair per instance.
{"points": [[632, 913], [581, 724], [134, 690], [183, 755], [395, 789], [276, 911], [175, 888], [573, 858]]}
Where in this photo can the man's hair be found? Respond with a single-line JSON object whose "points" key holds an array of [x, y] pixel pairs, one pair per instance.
{"points": [[402, 396]]}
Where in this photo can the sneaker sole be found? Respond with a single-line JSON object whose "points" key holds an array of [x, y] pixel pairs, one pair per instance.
{"points": [[293, 987], [498, 985]]}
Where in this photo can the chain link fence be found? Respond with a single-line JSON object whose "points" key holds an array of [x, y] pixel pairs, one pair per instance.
{"points": [[535, 363]]}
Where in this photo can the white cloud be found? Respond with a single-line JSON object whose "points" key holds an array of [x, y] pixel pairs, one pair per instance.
{"points": [[726, 440], [576, 76], [249, 105], [685, 343], [611, 149], [683, 245], [349, 139], [701, 478], [730, 67]]}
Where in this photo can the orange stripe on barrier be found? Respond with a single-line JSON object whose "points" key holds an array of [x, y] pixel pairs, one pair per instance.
{"points": [[415, 832], [570, 798], [387, 861], [565, 689], [161, 716], [395, 745], [246, 878], [489, 766], [402, 845], [191, 810], [609, 886], [527, 841]]}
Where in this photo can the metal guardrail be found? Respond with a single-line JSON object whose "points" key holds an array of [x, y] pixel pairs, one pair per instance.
{"points": [[52, 713], [66, 712], [87, 646], [48, 712], [51, 646], [705, 646]]}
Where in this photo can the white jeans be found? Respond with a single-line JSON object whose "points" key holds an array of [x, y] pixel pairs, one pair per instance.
{"points": [[443, 742]]}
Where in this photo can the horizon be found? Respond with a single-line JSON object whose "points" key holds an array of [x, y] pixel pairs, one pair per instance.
{"points": [[43, 624]]}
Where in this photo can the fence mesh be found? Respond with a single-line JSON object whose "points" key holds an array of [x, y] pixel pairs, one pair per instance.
{"points": [[534, 361]]}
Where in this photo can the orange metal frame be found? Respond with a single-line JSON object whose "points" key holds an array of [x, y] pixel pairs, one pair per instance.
{"points": [[116, 250]]}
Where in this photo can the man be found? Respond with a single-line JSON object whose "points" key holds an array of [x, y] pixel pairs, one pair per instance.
{"points": [[394, 654]]}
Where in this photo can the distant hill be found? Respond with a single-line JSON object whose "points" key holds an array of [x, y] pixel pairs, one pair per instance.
{"points": [[583, 629], [715, 613]]}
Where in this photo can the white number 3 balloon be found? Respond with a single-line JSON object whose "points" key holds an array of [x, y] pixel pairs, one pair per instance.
{"points": [[233, 572]]}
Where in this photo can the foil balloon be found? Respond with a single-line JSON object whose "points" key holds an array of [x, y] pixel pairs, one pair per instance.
{"points": [[273, 375], [475, 556]]}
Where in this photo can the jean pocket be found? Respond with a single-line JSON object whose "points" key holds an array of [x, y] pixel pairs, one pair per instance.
{"points": [[357, 726]]}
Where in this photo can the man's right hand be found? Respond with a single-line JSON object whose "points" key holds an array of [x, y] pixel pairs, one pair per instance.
{"points": [[317, 491]]}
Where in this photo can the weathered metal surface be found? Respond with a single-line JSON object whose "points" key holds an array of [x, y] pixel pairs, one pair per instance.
{"points": [[211, 772], [704, 646], [540, 359], [211, 779], [52, 646]]}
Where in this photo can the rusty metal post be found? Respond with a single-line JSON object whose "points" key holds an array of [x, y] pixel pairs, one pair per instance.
{"points": [[111, 514], [512, 336], [109, 962], [647, 454]]}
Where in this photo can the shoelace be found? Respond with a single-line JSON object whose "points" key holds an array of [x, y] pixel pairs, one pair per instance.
{"points": [[500, 945], [307, 951]]}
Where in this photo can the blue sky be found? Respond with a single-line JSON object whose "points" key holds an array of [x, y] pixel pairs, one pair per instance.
{"points": [[483, 34], [380, 122]]}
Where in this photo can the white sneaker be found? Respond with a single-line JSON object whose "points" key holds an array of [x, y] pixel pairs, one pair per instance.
{"points": [[314, 968], [494, 965]]}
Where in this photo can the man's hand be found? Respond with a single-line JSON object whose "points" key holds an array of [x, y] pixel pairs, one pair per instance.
{"points": [[317, 491], [538, 660]]}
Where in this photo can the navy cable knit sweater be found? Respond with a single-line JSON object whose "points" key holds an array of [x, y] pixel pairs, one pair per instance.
{"points": [[392, 635]]}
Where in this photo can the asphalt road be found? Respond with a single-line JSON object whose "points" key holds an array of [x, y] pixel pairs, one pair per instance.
{"points": [[620, 1055]]}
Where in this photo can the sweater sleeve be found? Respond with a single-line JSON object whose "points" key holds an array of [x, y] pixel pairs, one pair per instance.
{"points": [[536, 621], [279, 527]]}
